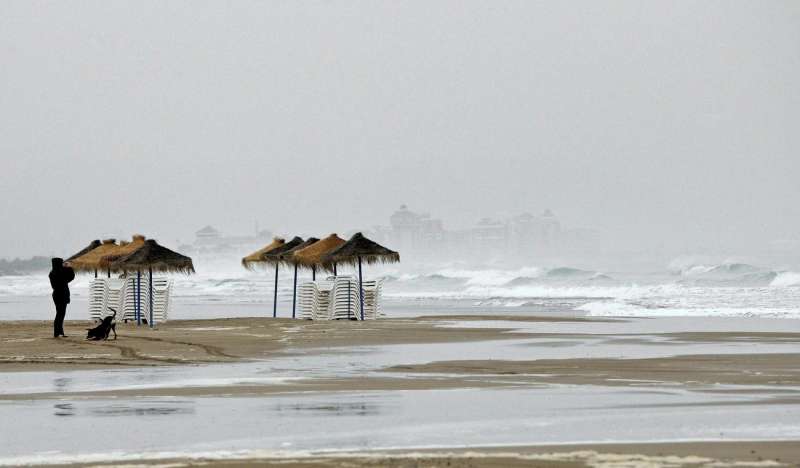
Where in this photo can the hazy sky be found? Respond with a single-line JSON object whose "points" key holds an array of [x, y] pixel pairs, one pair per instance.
{"points": [[659, 120]]}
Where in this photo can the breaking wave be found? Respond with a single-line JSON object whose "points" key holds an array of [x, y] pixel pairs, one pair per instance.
{"points": [[786, 279], [686, 288]]}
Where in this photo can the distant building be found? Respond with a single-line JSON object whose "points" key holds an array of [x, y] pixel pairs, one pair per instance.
{"points": [[419, 234], [207, 235], [413, 232], [211, 240]]}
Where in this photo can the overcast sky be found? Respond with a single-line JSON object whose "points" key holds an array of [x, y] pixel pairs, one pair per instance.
{"points": [[669, 120]]}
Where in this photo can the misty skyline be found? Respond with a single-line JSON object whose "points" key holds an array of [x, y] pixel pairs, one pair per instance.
{"points": [[669, 123]]}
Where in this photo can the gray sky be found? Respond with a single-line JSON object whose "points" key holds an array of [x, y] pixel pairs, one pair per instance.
{"points": [[658, 120]]}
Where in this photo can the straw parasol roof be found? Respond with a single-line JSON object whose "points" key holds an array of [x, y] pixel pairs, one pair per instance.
{"points": [[359, 247], [287, 257], [122, 250], [275, 255], [95, 243], [151, 255], [256, 257], [90, 261], [312, 255]]}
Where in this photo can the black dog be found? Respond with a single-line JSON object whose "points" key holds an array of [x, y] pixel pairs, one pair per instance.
{"points": [[106, 326]]}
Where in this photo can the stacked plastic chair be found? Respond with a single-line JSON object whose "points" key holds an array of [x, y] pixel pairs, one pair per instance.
{"points": [[324, 289], [344, 299], [372, 299], [97, 292], [337, 298], [162, 289], [307, 301], [130, 298]]}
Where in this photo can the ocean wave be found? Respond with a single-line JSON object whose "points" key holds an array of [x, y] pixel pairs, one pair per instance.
{"points": [[567, 272], [728, 273], [786, 279], [614, 308]]}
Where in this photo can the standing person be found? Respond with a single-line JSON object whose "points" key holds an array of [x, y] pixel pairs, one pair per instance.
{"points": [[60, 276]]}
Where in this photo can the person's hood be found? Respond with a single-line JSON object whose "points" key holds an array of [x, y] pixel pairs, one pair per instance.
{"points": [[57, 262]]}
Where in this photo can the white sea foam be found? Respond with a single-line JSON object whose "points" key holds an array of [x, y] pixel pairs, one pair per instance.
{"points": [[786, 279], [727, 288]]}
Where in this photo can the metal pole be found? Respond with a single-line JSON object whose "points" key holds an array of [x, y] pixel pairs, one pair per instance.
{"points": [[348, 298], [334, 269], [294, 291], [275, 296], [95, 272], [361, 288], [152, 316], [109, 272], [138, 299], [313, 273]]}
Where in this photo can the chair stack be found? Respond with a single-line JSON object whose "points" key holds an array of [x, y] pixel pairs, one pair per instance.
{"points": [[345, 302], [105, 294], [313, 300], [337, 298], [121, 295], [324, 289], [162, 290], [372, 299], [307, 294], [97, 292], [130, 298]]}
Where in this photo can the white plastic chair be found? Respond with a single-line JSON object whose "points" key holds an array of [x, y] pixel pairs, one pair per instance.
{"points": [[345, 302]]}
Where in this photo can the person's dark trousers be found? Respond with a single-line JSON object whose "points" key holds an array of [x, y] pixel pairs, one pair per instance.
{"points": [[58, 323]]}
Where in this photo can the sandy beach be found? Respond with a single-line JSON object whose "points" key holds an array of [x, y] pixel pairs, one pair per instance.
{"points": [[690, 454], [247, 339], [26, 345], [305, 365]]}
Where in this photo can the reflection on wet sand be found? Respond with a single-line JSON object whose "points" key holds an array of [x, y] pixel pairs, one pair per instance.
{"points": [[410, 383]]}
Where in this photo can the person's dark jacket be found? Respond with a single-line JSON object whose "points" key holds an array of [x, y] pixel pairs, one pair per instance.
{"points": [[60, 276]]}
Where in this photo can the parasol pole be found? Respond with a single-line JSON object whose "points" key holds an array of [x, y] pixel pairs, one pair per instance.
{"points": [[361, 288], [314, 273], [275, 295], [152, 317], [138, 299], [294, 291], [95, 273], [334, 269]]}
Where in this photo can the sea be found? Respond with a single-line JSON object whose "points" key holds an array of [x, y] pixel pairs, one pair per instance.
{"points": [[681, 287]]}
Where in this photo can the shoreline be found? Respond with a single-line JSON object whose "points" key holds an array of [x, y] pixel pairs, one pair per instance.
{"points": [[764, 453]]}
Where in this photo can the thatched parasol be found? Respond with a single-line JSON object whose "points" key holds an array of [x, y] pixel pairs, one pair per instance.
{"points": [[90, 261], [152, 256], [122, 250], [274, 255], [256, 257], [287, 257], [92, 245], [357, 249], [312, 255]]}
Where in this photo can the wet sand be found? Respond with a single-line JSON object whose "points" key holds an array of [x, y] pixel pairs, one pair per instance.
{"points": [[689, 370], [690, 454], [27, 346], [773, 377]]}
